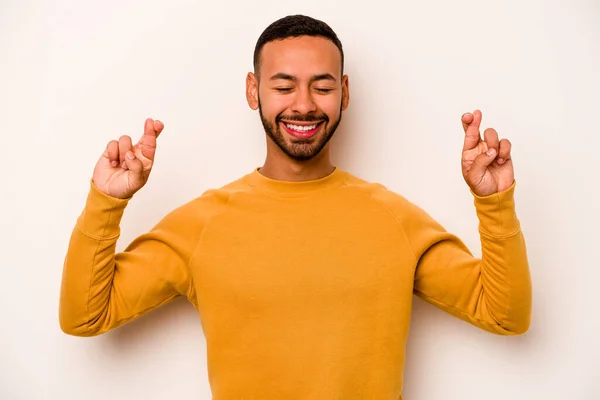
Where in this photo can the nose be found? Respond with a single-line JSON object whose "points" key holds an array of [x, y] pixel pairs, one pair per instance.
{"points": [[304, 102]]}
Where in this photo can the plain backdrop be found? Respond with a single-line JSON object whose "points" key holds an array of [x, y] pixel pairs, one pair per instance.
{"points": [[75, 75]]}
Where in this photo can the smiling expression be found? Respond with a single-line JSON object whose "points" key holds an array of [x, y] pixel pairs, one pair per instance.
{"points": [[300, 94]]}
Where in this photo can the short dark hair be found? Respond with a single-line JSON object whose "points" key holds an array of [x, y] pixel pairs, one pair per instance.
{"points": [[295, 26]]}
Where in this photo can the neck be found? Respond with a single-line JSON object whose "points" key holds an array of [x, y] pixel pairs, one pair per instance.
{"points": [[279, 166]]}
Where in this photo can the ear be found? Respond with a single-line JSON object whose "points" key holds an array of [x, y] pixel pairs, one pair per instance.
{"points": [[345, 92], [252, 90]]}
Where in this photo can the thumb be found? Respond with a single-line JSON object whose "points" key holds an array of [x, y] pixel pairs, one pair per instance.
{"points": [[136, 168], [482, 161]]}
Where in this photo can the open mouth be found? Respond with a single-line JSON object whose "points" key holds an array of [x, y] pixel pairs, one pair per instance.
{"points": [[302, 129]]}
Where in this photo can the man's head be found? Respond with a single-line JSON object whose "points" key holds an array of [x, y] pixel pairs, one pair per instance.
{"points": [[296, 26], [298, 85]]}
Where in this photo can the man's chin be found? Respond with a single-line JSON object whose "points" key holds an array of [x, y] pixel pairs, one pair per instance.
{"points": [[297, 149], [301, 152], [300, 149]]}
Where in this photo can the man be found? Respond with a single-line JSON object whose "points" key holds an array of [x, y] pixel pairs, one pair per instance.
{"points": [[302, 273]]}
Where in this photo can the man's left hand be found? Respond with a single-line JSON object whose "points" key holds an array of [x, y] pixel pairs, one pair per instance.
{"points": [[486, 164]]}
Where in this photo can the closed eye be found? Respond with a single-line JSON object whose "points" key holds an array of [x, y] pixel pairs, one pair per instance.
{"points": [[324, 90], [283, 89]]}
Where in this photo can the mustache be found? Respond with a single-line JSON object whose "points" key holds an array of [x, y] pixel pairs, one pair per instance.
{"points": [[303, 118]]}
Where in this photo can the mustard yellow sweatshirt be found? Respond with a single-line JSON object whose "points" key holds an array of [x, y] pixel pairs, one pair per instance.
{"points": [[304, 289]]}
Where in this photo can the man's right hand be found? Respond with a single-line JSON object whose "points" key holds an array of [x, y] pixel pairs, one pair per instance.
{"points": [[123, 169]]}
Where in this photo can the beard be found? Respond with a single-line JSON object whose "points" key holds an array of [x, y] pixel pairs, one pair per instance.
{"points": [[300, 149]]}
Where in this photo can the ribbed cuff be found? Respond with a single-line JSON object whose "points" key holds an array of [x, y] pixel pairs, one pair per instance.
{"points": [[102, 214], [496, 212]]}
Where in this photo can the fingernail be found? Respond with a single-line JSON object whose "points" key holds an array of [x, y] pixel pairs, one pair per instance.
{"points": [[130, 155], [491, 152], [500, 160], [123, 164], [114, 163]]}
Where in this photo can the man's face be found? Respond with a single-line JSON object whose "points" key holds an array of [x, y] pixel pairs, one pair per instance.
{"points": [[300, 94]]}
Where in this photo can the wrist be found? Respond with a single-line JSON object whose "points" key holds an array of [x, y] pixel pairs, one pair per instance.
{"points": [[496, 212], [102, 214]]}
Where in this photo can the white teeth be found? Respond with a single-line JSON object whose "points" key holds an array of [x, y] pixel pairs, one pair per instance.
{"points": [[301, 128]]}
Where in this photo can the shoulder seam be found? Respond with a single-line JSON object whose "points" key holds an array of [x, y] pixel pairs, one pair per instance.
{"points": [[382, 204], [196, 247]]}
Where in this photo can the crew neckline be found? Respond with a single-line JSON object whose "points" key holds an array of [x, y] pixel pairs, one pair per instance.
{"points": [[291, 188]]}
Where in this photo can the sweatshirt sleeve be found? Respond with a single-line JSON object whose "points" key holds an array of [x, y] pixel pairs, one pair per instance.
{"points": [[101, 289], [493, 292]]}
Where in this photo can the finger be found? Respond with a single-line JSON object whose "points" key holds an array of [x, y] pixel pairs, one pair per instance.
{"points": [[504, 151], [112, 153], [466, 119], [124, 147], [152, 130], [148, 128], [472, 135], [490, 136], [158, 127]]}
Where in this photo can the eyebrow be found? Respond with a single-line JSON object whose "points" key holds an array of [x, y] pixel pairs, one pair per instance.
{"points": [[314, 78]]}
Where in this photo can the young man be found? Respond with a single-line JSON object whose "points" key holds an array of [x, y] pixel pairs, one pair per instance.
{"points": [[302, 273]]}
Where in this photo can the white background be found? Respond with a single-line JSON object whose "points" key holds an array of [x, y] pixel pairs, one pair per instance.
{"points": [[75, 75]]}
